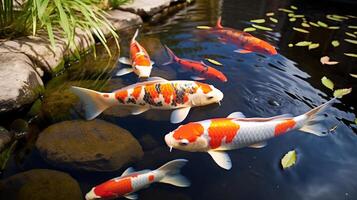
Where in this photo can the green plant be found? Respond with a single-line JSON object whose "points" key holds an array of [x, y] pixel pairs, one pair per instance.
{"points": [[65, 16], [117, 3], [6, 15]]}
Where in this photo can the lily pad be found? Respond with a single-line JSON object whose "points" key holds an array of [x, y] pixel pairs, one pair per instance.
{"points": [[327, 83], [215, 62], [249, 29], [300, 30], [351, 55], [335, 43], [261, 27], [289, 159], [313, 46], [303, 43], [351, 41], [273, 20], [258, 21], [341, 92]]}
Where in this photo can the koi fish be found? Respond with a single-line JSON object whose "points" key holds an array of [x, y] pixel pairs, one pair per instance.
{"points": [[156, 93], [245, 42], [216, 136], [204, 71], [139, 60], [130, 181]]}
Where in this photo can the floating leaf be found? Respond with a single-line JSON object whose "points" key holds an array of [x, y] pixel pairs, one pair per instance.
{"points": [[331, 17], [351, 16], [292, 19], [214, 62], [322, 24], [293, 7], [285, 10], [258, 21], [327, 83], [291, 14], [333, 27], [352, 27], [305, 24], [5, 155], [341, 92], [339, 17], [356, 121], [269, 14], [351, 41], [299, 16], [351, 34], [249, 29], [262, 27], [273, 20], [303, 43], [203, 27], [353, 75], [289, 159], [313, 46], [300, 30], [290, 45], [351, 55], [335, 43], [326, 61], [314, 24]]}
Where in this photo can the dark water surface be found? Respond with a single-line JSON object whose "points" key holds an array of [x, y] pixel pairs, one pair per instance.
{"points": [[257, 85]]}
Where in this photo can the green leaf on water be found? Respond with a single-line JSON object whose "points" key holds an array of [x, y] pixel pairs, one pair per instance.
{"points": [[322, 24], [352, 27], [273, 20], [303, 43], [249, 29], [335, 43], [299, 16], [351, 55], [301, 30], [341, 92], [305, 25], [285, 10], [258, 21], [289, 159], [314, 24], [203, 27], [353, 75], [331, 17], [333, 27], [351, 41], [290, 45], [293, 7], [261, 27], [339, 17], [215, 62], [291, 14], [327, 83], [5, 155], [269, 14], [292, 19], [313, 46], [351, 34]]}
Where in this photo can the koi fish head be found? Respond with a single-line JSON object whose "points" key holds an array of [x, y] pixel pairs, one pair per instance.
{"points": [[143, 71], [142, 65], [188, 137], [267, 48], [206, 94]]}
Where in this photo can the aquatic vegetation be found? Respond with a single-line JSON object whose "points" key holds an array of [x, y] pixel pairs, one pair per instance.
{"points": [[335, 43], [325, 60], [351, 41], [353, 75], [264, 28], [258, 21], [203, 27], [289, 159], [5, 155], [314, 46], [215, 62], [351, 55], [327, 82], [303, 43], [300, 30], [339, 93], [249, 29]]}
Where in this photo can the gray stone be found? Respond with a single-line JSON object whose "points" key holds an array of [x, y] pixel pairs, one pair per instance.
{"points": [[19, 82], [88, 145], [122, 20], [146, 8], [40, 184]]}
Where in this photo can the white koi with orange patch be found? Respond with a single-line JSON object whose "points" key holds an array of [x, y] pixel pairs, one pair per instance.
{"points": [[130, 181], [218, 135]]}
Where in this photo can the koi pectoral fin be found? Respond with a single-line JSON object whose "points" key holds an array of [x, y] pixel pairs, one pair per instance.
{"points": [[138, 110], [197, 78], [179, 115], [222, 159], [236, 115], [131, 196], [124, 60], [242, 51], [124, 71], [258, 145]]}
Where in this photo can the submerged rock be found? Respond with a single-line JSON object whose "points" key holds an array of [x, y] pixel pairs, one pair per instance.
{"points": [[40, 184], [19, 82], [88, 145], [146, 8], [122, 19]]}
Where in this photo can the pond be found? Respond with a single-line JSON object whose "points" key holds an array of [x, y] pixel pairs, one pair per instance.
{"points": [[258, 86]]}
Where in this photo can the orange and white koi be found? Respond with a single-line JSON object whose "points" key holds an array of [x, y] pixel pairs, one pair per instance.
{"points": [[130, 181], [156, 93], [139, 60], [245, 42], [215, 136], [203, 70]]}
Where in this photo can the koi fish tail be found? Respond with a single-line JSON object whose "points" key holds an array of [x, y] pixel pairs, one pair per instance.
{"points": [[171, 173], [172, 56], [135, 35], [314, 117], [219, 23], [93, 102]]}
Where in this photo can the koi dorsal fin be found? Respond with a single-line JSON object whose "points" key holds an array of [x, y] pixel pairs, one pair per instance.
{"points": [[219, 23], [128, 171]]}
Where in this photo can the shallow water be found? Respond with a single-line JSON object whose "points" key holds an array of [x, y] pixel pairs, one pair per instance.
{"points": [[257, 85]]}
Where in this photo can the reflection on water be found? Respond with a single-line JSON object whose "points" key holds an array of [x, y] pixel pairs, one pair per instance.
{"points": [[257, 85]]}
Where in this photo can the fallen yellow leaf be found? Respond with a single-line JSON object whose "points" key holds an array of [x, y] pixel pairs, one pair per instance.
{"points": [[214, 62], [249, 29], [289, 159], [203, 27], [301, 30], [261, 27], [327, 83], [341, 92]]}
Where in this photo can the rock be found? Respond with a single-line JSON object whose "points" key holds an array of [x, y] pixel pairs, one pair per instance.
{"points": [[123, 20], [146, 8], [40, 184], [5, 137], [88, 145], [19, 126], [20, 84]]}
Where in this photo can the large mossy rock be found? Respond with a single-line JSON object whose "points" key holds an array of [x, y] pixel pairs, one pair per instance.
{"points": [[146, 8], [88, 145], [40, 184]]}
